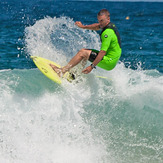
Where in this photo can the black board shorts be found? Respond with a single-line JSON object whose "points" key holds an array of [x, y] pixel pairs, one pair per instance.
{"points": [[93, 55]]}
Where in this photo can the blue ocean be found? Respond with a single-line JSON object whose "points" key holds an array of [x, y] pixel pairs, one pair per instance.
{"points": [[116, 119]]}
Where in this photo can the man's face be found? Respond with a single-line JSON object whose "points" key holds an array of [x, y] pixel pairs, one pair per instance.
{"points": [[103, 20]]}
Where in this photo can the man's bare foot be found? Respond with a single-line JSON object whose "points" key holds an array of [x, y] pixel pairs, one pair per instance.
{"points": [[57, 70]]}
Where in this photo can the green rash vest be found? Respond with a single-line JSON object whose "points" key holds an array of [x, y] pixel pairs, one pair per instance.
{"points": [[111, 46]]}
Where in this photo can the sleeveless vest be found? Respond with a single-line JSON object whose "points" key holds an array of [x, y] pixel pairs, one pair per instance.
{"points": [[114, 28]]}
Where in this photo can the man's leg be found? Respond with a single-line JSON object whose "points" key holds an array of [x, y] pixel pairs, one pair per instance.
{"points": [[83, 54]]}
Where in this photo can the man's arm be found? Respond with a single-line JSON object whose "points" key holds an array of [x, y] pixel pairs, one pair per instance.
{"points": [[95, 26], [95, 62]]}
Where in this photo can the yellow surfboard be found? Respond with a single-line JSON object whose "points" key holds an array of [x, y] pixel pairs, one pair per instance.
{"points": [[46, 69]]}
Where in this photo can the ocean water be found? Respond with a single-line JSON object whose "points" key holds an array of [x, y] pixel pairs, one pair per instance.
{"points": [[118, 119]]}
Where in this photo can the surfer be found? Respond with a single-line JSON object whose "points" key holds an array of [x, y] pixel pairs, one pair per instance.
{"points": [[110, 50]]}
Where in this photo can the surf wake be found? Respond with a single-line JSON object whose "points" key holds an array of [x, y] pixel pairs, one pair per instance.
{"points": [[114, 119]]}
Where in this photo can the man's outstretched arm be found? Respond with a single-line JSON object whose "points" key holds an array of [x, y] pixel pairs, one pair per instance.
{"points": [[95, 26]]}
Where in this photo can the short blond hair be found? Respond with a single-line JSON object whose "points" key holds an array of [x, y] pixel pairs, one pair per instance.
{"points": [[103, 12]]}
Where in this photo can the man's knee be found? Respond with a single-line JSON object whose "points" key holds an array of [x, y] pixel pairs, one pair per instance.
{"points": [[82, 50], [84, 53]]}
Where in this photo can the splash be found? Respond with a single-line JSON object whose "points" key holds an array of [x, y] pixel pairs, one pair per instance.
{"points": [[41, 124], [113, 119], [58, 39]]}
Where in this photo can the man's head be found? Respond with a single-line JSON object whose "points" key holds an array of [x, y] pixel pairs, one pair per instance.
{"points": [[103, 18]]}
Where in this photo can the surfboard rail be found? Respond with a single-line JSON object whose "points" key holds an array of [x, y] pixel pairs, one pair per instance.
{"points": [[43, 65]]}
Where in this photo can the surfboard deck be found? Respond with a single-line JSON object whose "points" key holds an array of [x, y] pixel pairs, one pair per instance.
{"points": [[43, 65]]}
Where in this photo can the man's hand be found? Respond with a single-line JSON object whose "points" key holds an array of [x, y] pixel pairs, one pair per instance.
{"points": [[79, 24], [87, 70]]}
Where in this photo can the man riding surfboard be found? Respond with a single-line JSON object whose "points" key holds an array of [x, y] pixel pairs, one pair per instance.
{"points": [[110, 50]]}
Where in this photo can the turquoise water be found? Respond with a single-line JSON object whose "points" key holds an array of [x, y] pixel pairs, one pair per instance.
{"points": [[92, 120]]}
